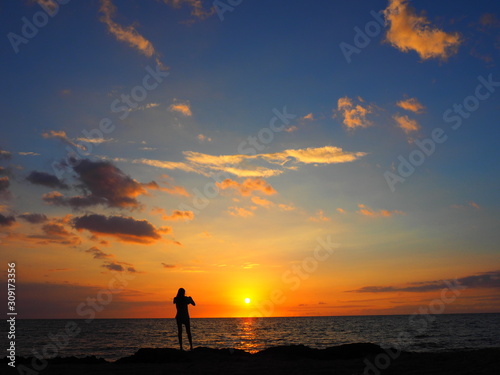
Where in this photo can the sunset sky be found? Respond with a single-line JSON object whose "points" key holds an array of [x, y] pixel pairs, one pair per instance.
{"points": [[318, 158]]}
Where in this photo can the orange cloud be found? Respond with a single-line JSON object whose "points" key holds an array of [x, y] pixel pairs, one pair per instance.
{"points": [[354, 116], [367, 211], [248, 186], [176, 215], [341, 210], [407, 124], [124, 34], [409, 31], [262, 202], [411, 104], [171, 189], [319, 217], [240, 211], [182, 108]]}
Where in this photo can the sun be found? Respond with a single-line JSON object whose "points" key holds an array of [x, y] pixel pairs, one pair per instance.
{"points": [[248, 300]]}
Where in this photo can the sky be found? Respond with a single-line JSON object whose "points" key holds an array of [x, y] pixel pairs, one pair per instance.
{"points": [[314, 158]]}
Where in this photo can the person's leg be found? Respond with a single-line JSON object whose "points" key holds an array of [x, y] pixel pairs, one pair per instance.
{"points": [[179, 333], [188, 330]]}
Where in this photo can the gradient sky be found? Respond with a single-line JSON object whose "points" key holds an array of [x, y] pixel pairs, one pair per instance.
{"points": [[236, 141]]}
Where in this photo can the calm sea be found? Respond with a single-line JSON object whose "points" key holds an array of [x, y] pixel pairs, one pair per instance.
{"points": [[115, 338]]}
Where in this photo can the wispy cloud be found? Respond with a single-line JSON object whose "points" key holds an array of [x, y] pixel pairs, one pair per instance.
{"points": [[127, 34], [239, 211], [481, 280], [241, 165], [319, 217], [409, 31], [367, 211], [176, 215]]}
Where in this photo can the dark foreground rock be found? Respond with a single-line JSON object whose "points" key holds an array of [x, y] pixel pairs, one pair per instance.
{"points": [[351, 359]]}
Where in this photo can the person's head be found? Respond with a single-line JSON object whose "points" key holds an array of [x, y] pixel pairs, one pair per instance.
{"points": [[181, 292]]}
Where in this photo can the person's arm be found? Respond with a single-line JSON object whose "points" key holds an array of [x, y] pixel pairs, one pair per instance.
{"points": [[191, 301], [174, 300]]}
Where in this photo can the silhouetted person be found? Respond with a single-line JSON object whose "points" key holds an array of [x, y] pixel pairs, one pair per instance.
{"points": [[182, 317]]}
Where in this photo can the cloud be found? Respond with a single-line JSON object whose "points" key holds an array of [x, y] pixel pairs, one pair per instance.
{"points": [[182, 108], [168, 188], [319, 217], [102, 183], [204, 138], [33, 218], [354, 115], [408, 125], [409, 31], [411, 104], [29, 153], [239, 211], [118, 266], [262, 202], [367, 211], [340, 210], [469, 205], [98, 253], [248, 186], [94, 140], [286, 207], [241, 165], [61, 135], [484, 280], [489, 20], [125, 229], [5, 155], [46, 179], [54, 233], [172, 165], [128, 34], [176, 215], [7, 221], [315, 155], [165, 265], [197, 9], [291, 129], [309, 117]]}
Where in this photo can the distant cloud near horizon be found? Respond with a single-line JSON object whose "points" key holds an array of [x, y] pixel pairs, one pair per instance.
{"points": [[488, 280], [367, 211], [410, 31]]}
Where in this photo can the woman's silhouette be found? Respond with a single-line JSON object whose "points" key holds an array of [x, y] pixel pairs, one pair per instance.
{"points": [[181, 302]]}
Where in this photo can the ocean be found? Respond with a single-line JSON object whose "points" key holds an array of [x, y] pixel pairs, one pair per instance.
{"points": [[115, 338]]}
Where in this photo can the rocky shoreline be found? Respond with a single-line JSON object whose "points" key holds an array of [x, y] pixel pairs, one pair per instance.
{"points": [[361, 358]]}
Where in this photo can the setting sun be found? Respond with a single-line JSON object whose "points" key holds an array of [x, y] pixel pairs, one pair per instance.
{"points": [[247, 300]]}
